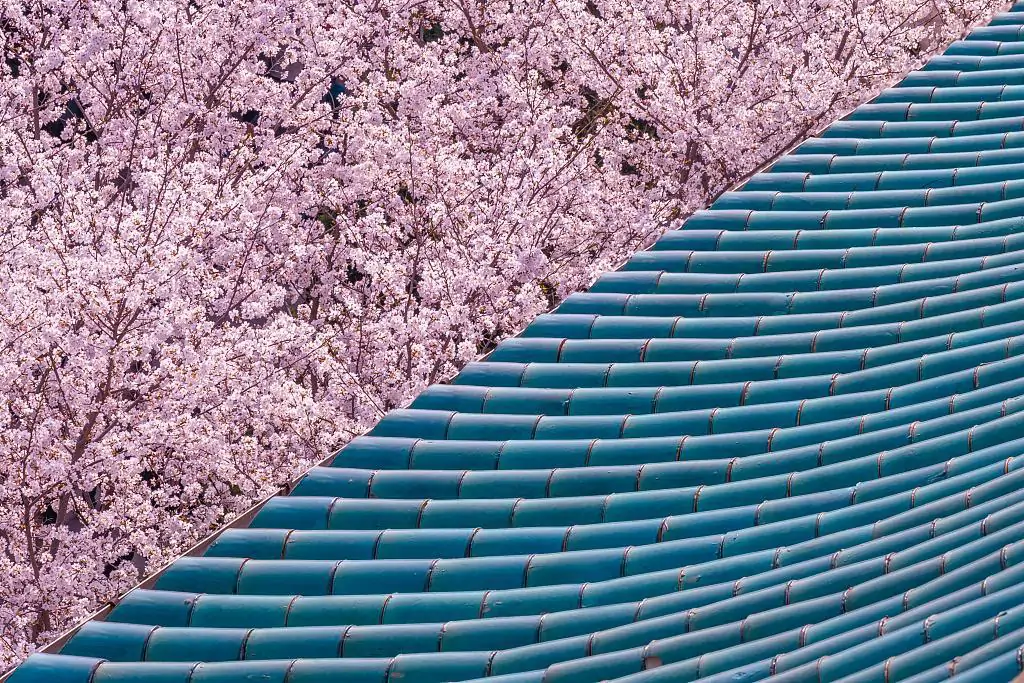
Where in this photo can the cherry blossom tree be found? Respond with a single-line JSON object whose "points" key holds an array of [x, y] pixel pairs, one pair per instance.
{"points": [[233, 234]]}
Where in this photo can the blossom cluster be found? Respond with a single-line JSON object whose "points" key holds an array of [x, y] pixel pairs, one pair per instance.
{"points": [[233, 234]]}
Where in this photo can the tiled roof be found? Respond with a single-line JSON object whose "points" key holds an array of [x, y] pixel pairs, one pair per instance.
{"points": [[787, 440]]}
